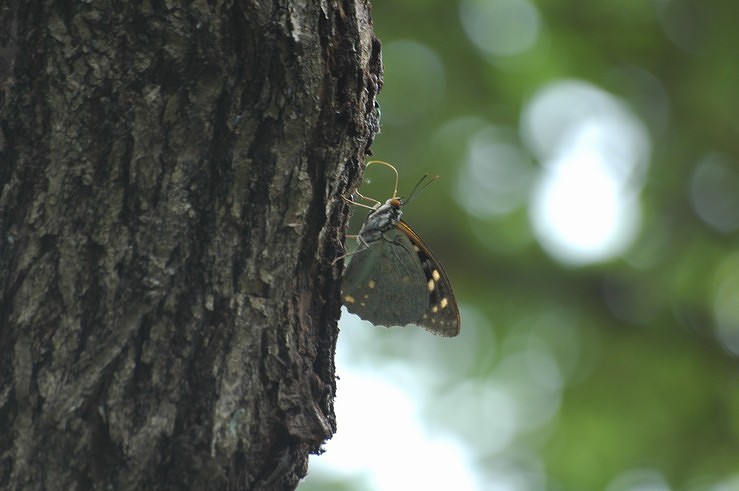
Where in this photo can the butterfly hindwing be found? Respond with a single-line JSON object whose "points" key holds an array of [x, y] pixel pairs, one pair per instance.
{"points": [[385, 283]]}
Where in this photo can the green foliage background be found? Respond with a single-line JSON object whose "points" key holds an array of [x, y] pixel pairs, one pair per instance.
{"points": [[647, 382]]}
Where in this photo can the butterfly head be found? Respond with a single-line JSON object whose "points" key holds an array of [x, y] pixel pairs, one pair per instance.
{"points": [[395, 202]]}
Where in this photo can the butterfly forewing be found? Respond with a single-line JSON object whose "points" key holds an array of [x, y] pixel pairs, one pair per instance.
{"points": [[385, 283], [441, 315]]}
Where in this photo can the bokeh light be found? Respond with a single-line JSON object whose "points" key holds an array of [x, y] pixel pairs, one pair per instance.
{"points": [[714, 192], [726, 302], [594, 154], [500, 27], [496, 175], [415, 82]]}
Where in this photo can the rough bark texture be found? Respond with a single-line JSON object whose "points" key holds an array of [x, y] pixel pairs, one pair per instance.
{"points": [[170, 175]]}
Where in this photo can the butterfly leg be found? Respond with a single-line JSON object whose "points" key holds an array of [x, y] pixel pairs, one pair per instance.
{"points": [[362, 246], [396, 242], [356, 203]]}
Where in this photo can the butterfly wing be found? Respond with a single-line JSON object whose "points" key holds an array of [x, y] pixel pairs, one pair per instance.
{"points": [[385, 283], [441, 315]]}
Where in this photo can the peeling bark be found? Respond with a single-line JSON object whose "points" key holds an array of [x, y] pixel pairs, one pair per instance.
{"points": [[170, 181]]}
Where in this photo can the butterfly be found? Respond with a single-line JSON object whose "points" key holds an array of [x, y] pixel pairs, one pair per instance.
{"points": [[393, 278]]}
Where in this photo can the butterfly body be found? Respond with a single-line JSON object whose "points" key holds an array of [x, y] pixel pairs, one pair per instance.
{"points": [[379, 221], [393, 278]]}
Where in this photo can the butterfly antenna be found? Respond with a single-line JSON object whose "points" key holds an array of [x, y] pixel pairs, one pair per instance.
{"points": [[420, 186]]}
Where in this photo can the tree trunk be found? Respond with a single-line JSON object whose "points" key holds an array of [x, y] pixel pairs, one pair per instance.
{"points": [[170, 181]]}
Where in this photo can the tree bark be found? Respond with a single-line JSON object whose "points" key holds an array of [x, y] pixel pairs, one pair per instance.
{"points": [[170, 182]]}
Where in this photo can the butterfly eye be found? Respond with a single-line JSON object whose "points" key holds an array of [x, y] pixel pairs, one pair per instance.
{"points": [[394, 202]]}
